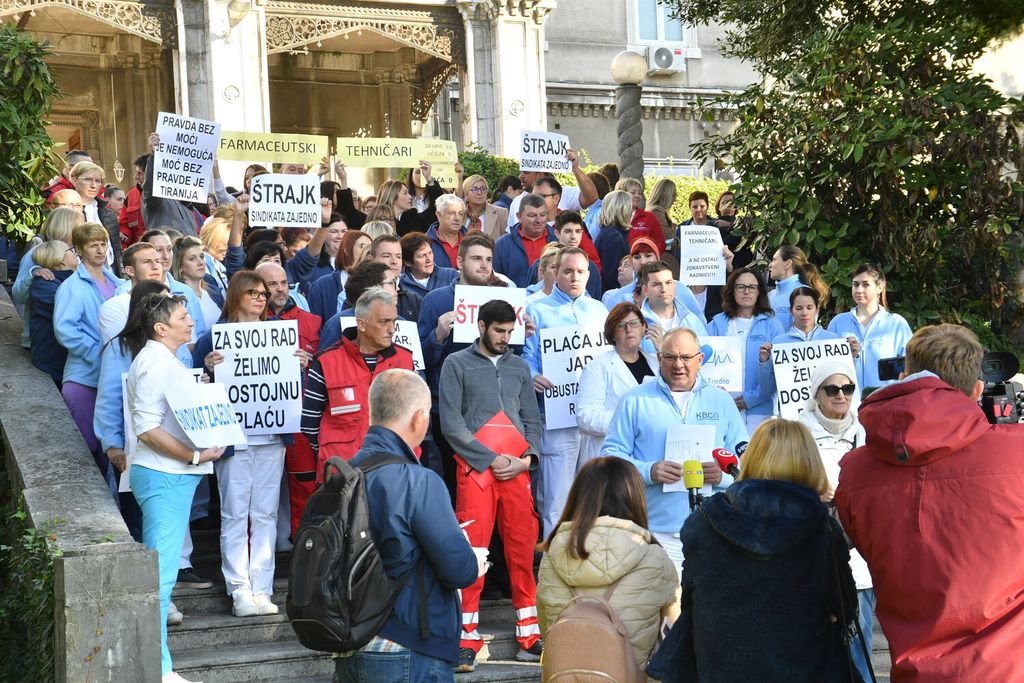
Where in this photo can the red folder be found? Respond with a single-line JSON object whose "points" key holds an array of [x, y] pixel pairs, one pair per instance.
{"points": [[501, 436]]}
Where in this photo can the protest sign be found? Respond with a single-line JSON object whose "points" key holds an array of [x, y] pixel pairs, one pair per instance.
{"points": [[262, 374], [701, 261], [205, 414], [183, 161], [395, 152], [543, 151], [285, 201], [469, 299], [564, 352], [794, 363], [688, 442], [278, 148], [406, 335], [723, 362]]}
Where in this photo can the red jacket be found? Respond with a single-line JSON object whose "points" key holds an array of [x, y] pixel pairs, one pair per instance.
{"points": [[309, 325], [646, 224], [130, 222], [935, 503], [346, 416]]}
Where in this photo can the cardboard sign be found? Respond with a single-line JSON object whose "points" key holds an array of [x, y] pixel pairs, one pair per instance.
{"points": [[205, 414], [723, 362], [688, 442], [395, 152], [564, 352], [285, 201], [701, 261], [183, 161], [469, 299], [280, 148], [407, 335], [543, 151], [262, 374], [794, 363]]}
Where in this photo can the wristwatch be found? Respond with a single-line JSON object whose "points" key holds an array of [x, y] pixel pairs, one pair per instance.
{"points": [[195, 457]]}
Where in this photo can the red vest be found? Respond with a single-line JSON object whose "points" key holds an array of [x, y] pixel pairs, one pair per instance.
{"points": [[309, 327], [347, 415]]}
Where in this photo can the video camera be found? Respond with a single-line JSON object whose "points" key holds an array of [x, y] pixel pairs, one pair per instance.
{"points": [[1002, 400]]}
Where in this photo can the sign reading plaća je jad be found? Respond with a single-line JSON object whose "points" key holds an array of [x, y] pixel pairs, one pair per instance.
{"points": [[543, 151], [262, 374], [278, 148], [469, 299], [183, 161], [401, 153], [206, 416], [795, 362], [406, 335], [701, 261], [723, 362], [285, 201], [564, 352]]}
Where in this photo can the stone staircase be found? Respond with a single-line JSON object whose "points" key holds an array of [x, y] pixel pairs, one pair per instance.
{"points": [[213, 646]]}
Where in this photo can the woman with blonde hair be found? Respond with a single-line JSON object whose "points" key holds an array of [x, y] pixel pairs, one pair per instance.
{"points": [[189, 268], [613, 241], [767, 589], [481, 214], [374, 229], [642, 223], [88, 180], [214, 237]]}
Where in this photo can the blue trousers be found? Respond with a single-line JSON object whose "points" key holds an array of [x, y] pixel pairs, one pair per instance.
{"points": [[866, 604], [389, 667], [166, 500]]}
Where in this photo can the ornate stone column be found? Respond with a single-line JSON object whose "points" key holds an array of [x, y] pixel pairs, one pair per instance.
{"points": [[629, 69]]}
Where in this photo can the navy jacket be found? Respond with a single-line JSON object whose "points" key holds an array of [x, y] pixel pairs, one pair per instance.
{"points": [[330, 333], [322, 295], [415, 529], [612, 244], [47, 353], [510, 257], [441, 277], [440, 255]]}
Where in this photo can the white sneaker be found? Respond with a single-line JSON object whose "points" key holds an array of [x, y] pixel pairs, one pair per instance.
{"points": [[244, 605], [174, 616], [171, 677], [265, 604]]}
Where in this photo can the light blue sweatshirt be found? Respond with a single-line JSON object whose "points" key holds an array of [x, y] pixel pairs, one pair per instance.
{"points": [[624, 294], [637, 434], [684, 318], [778, 298], [76, 312], [886, 336], [559, 310], [766, 370], [763, 329]]}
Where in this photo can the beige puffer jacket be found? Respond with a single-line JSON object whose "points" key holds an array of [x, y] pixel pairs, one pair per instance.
{"points": [[617, 548]]}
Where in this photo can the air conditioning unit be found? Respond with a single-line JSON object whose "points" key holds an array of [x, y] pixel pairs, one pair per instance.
{"points": [[666, 59]]}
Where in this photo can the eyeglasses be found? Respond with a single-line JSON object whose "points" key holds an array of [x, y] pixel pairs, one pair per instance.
{"points": [[832, 390], [672, 357], [746, 289], [545, 196], [258, 294], [631, 324], [389, 283], [478, 190], [92, 181]]}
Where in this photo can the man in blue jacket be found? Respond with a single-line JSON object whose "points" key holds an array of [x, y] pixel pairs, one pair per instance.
{"points": [[641, 421], [416, 531], [517, 250]]}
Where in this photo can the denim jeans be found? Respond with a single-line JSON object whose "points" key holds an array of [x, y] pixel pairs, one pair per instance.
{"points": [[389, 667], [866, 604]]}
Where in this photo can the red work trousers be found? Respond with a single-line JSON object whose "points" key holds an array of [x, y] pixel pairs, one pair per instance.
{"points": [[300, 465], [482, 498]]}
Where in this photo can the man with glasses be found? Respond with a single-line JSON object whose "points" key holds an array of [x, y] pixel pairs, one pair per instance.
{"points": [[641, 422]]}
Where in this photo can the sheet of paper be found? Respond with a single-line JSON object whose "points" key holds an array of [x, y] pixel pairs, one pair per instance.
{"points": [[688, 442]]}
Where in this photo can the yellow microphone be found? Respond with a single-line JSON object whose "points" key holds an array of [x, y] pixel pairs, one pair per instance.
{"points": [[693, 480]]}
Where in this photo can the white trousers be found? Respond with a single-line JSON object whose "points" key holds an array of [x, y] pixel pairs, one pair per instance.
{"points": [[250, 485], [559, 452], [673, 546]]}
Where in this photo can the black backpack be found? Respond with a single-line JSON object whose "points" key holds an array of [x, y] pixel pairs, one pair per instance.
{"points": [[338, 594]]}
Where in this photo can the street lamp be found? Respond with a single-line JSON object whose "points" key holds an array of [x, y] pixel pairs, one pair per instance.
{"points": [[628, 70]]}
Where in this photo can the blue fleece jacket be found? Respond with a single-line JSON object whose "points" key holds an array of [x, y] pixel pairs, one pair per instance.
{"points": [[886, 336], [559, 310], [763, 329], [47, 354], [684, 318], [415, 529], [778, 299], [637, 434], [76, 313], [510, 256], [593, 282]]}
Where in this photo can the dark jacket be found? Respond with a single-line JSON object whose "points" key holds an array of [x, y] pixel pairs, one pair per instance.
{"points": [[415, 221], [440, 255], [109, 221], [322, 295], [612, 244], [415, 529], [159, 212], [330, 333], [510, 256], [441, 277], [47, 353], [759, 590]]}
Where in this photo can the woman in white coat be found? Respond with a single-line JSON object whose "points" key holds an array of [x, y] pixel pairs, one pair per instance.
{"points": [[831, 416], [610, 375]]}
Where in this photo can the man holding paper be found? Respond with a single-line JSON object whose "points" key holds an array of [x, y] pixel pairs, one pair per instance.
{"points": [[489, 415], [642, 423]]}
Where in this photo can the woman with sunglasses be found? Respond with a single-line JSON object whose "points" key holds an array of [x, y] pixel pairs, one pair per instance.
{"points": [[166, 467], [747, 314], [248, 480], [831, 416]]}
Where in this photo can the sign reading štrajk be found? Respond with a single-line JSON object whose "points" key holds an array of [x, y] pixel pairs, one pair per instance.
{"points": [[564, 352], [279, 148], [543, 151], [285, 201], [469, 299], [795, 362], [183, 161]]}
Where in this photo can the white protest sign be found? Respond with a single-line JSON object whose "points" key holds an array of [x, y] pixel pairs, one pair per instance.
{"points": [[723, 362], [794, 364], [262, 374], [406, 335], [130, 440], [564, 352], [701, 261], [285, 201], [688, 442], [543, 151], [204, 413], [183, 161], [469, 299]]}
